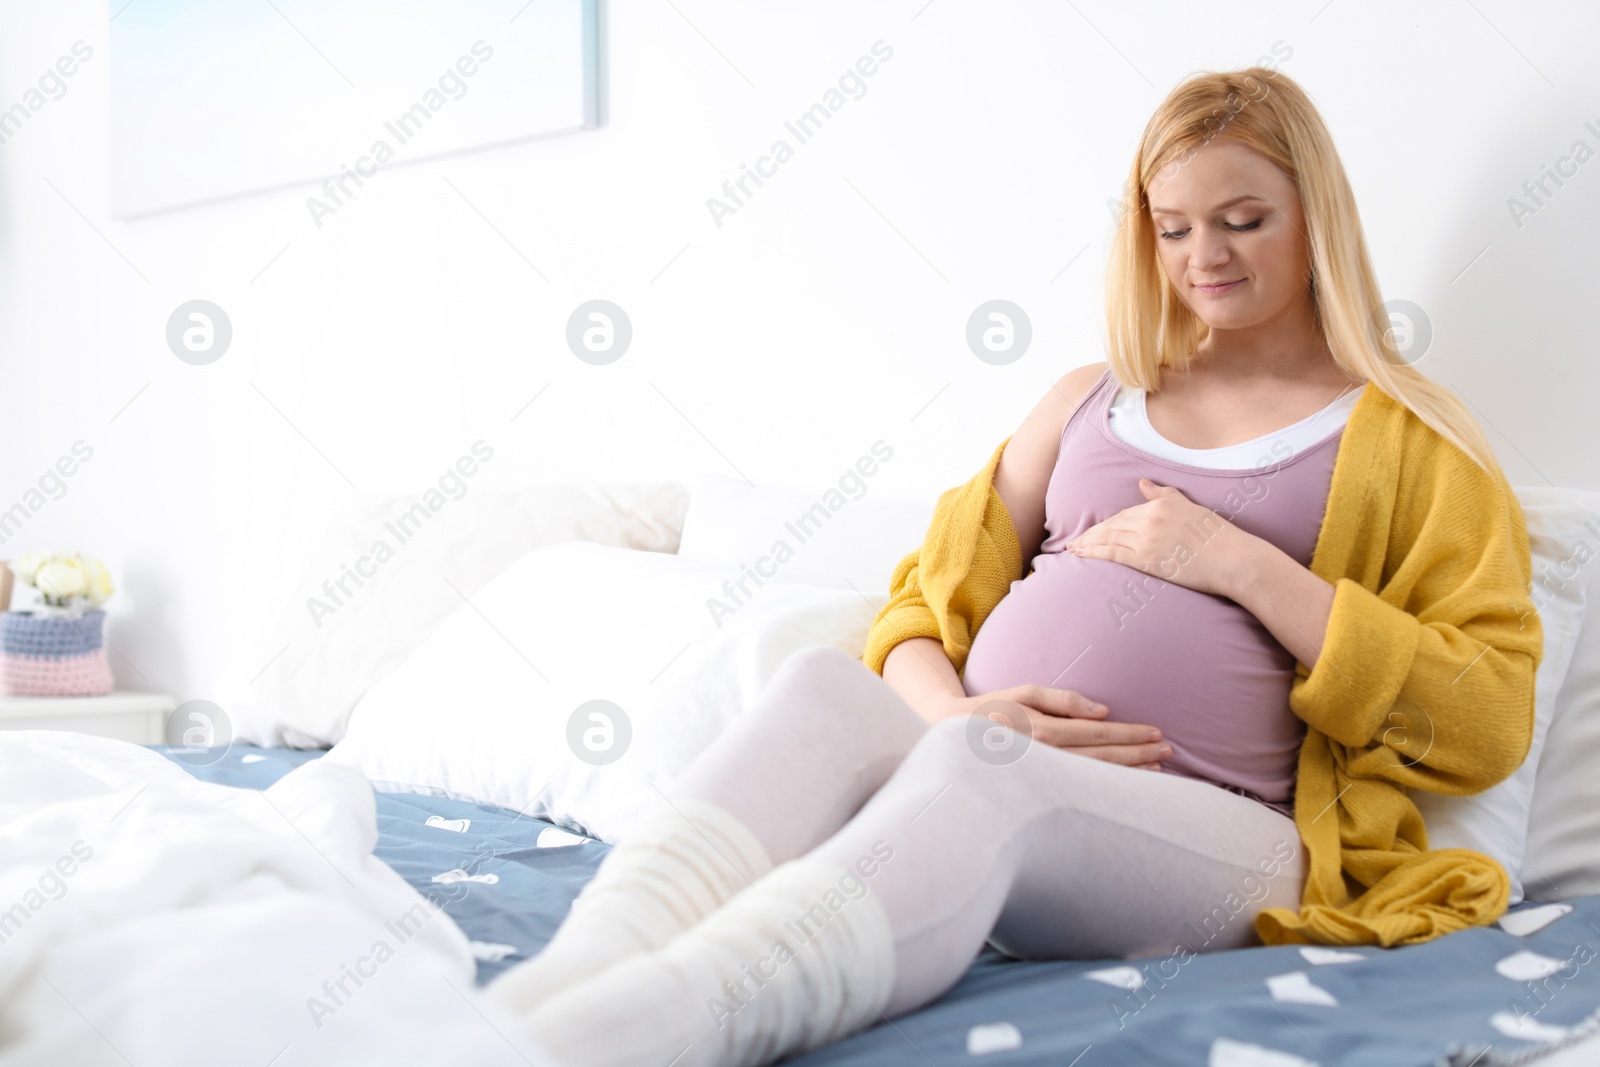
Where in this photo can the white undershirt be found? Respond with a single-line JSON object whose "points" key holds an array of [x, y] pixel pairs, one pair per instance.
{"points": [[1131, 423]]}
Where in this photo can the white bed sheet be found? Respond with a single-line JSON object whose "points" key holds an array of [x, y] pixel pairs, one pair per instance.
{"points": [[148, 917]]}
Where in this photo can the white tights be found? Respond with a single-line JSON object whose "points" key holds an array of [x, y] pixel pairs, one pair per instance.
{"points": [[1045, 853], [832, 859]]}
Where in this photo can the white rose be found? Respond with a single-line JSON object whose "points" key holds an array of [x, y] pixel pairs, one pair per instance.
{"points": [[60, 579], [97, 582], [27, 564]]}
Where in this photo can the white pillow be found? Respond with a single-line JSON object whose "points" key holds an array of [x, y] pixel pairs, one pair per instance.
{"points": [[838, 538], [484, 710], [297, 679], [1563, 853], [1496, 821]]}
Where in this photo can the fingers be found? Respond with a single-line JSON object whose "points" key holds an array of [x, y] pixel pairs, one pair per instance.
{"points": [[1065, 732], [1144, 756], [1097, 534], [1055, 701], [1069, 720], [1105, 548]]}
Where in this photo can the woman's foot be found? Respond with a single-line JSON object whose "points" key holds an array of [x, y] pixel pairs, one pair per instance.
{"points": [[677, 865], [802, 958]]}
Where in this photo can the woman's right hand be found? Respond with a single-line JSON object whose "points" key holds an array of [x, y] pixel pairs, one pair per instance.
{"points": [[1067, 720]]}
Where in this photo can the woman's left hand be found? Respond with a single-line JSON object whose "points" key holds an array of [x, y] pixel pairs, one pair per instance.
{"points": [[1173, 538]]}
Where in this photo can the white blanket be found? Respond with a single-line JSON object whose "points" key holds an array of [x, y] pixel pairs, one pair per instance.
{"points": [[150, 918]]}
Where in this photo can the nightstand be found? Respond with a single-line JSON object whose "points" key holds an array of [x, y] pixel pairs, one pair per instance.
{"points": [[124, 716]]}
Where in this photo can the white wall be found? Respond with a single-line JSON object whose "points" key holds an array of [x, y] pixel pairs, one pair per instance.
{"points": [[778, 346]]}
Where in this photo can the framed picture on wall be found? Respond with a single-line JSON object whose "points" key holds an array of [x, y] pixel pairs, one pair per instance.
{"points": [[214, 99]]}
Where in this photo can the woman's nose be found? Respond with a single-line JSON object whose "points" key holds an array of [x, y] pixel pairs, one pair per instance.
{"points": [[1210, 250]]}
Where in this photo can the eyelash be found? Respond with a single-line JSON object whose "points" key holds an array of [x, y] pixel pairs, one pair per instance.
{"points": [[1176, 234]]}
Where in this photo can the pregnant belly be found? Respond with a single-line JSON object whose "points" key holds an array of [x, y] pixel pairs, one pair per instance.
{"points": [[1199, 667]]}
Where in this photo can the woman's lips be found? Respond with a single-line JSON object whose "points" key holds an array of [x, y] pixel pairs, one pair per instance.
{"points": [[1225, 287]]}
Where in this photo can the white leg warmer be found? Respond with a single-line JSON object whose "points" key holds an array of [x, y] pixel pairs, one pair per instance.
{"points": [[802, 958], [678, 864]]}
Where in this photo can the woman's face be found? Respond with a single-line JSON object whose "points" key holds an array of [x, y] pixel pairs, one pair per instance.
{"points": [[1227, 214]]}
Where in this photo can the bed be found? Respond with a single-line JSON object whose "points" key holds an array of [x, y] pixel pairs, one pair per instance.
{"points": [[390, 780], [1530, 984]]}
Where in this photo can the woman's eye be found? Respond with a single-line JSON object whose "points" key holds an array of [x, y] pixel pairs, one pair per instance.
{"points": [[1242, 227]]}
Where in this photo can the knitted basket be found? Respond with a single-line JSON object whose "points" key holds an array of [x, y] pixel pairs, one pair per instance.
{"points": [[45, 656]]}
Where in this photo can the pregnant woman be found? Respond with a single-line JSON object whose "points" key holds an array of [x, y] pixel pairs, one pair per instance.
{"points": [[1275, 579]]}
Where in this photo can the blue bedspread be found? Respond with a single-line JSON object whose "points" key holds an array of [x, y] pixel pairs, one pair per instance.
{"points": [[521, 872], [1479, 997]]}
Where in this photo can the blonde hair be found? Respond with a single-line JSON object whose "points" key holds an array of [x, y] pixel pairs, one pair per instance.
{"points": [[1150, 328]]}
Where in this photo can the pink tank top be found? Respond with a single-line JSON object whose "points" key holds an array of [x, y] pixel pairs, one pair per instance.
{"points": [[1198, 666]]}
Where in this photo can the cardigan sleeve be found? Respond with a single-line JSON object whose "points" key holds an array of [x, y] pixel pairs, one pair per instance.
{"points": [[948, 587], [907, 615], [1431, 675]]}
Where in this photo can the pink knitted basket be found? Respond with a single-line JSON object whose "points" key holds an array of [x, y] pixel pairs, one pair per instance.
{"points": [[47, 656]]}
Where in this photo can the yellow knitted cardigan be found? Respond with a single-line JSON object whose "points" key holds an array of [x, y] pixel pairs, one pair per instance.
{"points": [[1424, 681]]}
